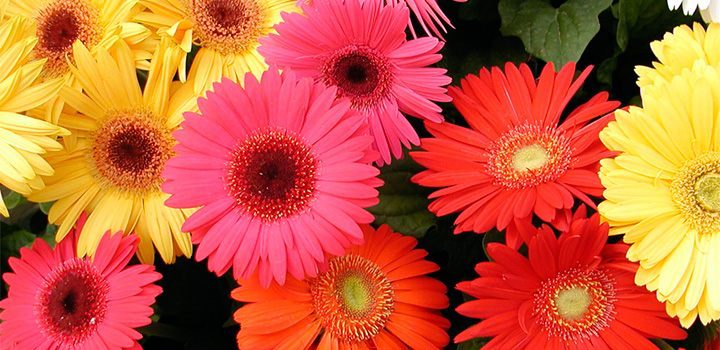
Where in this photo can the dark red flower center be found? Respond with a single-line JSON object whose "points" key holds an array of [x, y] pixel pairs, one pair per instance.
{"points": [[228, 26], [59, 25], [272, 175], [576, 303], [529, 155], [72, 302], [360, 73]]}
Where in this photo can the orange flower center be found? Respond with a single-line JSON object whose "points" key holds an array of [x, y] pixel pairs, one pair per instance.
{"points": [[272, 175], [696, 192], [576, 303], [130, 150], [59, 25], [360, 73], [72, 302], [227, 26], [353, 298], [529, 155]]}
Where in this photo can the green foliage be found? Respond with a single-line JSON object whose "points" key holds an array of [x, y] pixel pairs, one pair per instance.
{"points": [[13, 199], [10, 244], [557, 35], [403, 205]]}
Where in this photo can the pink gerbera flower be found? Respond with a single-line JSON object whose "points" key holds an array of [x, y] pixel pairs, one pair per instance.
{"points": [[59, 301], [361, 48], [429, 14], [280, 171]]}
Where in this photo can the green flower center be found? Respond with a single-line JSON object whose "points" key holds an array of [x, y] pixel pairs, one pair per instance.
{"points": [[707, 192], [356, 294], [530, 157], [573, 303]]}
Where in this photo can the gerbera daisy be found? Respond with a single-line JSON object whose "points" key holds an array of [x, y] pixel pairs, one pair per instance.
{"points": [[375, 296], [362, 50], [59, 301], [23, 140], [680, 50], [227, 32], [57, 24], [278, 184], [663, 190], [515, 160], [710, 9], [573, 292], [115, 171]]}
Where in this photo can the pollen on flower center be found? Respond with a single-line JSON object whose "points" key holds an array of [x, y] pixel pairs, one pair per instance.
{"points": [[529, 155], [576, 303], [227, 26], [130, 150], [72, 302], [272, 175], [696, 192], [360, 73], [353, 298], [59, 25]]}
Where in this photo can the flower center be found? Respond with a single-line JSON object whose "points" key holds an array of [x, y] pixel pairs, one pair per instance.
{"points": [[576, 303], [528, 156], [360, 73], [227, 26], [696, 192], [59, 25], [271, 175], [72, 302], [353, 298], [130, 150]]}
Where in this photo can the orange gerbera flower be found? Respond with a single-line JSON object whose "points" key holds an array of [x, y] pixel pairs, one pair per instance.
{"points": [[376, 296]]}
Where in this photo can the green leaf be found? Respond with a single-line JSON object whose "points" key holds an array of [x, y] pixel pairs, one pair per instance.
{"points": [[492, 236], [403, 204], [11, 244], [662, 345], [644, 20], [557, 35], [45, 207], [13, 199], [473, 344]]}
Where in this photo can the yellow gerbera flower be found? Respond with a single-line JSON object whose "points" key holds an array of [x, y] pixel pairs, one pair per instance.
{"points": [[227, 32], [23, 140], [114, 173], [681, 49], [663, 190], [57, 24]]}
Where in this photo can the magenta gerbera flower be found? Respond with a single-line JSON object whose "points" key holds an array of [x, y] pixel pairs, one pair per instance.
{"points": [[59, 301], [280, 171], [361, 48]]}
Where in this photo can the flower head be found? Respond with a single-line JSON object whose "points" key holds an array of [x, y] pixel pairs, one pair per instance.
{"points": [[114, 172], [98, 24], [680, 50], [516, 159], [57, 300], [374, 296], [571, 292], [227, 32], [663, 190], [278, 184], [710, 9], [25, 140], [361, 48]]}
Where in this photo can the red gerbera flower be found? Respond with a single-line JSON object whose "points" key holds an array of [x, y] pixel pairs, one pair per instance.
{"points": [[572, 292], [376, 296], [59, 301], [515, 160], [360, 47]]}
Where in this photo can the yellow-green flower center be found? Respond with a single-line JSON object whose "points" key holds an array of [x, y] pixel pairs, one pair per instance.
{"points": [[707, 192], [530, 157], [572, 303], [356, 294], [696, 192]]}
